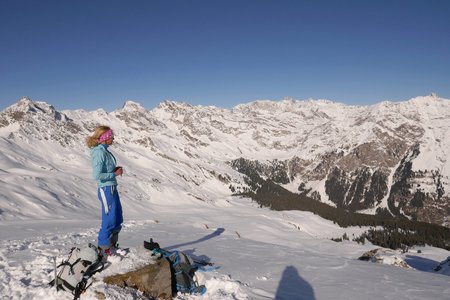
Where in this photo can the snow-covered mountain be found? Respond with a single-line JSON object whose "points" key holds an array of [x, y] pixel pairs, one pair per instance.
{"points": [[179, 171], [389, 157]]}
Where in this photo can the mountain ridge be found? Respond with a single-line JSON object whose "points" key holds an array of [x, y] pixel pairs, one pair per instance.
{"points": [[346, 156]]}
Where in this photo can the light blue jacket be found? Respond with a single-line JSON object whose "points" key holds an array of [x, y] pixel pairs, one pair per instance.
{"points": [[103, 164]]}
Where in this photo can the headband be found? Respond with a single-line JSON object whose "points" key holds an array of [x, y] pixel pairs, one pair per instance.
{"points": [[106, 136]]}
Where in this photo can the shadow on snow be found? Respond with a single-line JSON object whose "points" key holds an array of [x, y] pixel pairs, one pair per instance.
{"points": [[292, 286], [421, 263], [216, 233], [190, 252]]}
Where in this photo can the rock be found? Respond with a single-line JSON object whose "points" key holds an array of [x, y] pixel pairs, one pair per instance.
{"points": [[99, 295], [386, 257], [153, 280], [443, 267]]}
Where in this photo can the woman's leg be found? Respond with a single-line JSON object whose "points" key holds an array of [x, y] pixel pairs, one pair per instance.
{"points": [[111, 216]]}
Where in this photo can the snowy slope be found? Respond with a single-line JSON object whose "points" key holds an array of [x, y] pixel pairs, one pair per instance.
{"points": [[272, 258], [175, 188], [197, 143]]}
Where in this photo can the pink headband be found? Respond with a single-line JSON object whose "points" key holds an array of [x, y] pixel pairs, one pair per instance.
{"points": [[105, 136]]}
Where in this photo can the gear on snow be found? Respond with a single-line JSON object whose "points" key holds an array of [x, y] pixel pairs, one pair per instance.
{"points": [[182, 267]]}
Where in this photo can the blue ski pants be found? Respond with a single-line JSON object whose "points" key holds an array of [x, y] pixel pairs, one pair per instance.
{"points": [[112, 217]]}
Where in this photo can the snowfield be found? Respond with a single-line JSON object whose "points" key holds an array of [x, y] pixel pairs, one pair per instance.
{"points": [[258, 254], [171, 192]]}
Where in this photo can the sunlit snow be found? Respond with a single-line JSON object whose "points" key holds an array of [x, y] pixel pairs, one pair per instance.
{"points": [[170, 192]]}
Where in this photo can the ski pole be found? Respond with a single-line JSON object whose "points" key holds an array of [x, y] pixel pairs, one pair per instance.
{"points": [[56, 276]]}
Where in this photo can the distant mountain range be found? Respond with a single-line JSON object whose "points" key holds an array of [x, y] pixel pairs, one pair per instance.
{"points": [[389, 158]]}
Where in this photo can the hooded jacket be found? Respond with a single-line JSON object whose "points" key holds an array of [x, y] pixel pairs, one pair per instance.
{"points": [[103, 164]]}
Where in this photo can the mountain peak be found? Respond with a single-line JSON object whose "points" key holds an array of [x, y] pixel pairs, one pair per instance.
{"points": [[130, 105], [173, 105], [25, 99], [27, 106], [428, 100], [23, 105]]}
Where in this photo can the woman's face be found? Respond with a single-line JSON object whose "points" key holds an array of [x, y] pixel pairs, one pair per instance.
{"points": [[110, 140]]}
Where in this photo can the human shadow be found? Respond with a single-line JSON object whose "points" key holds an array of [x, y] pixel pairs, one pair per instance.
{"points": [[202, 259], [421, 263], [216, 233], [293, 287]]}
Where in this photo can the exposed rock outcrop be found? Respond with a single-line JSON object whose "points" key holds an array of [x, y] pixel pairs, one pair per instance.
{"points": [[385, 256], [153, 280]]}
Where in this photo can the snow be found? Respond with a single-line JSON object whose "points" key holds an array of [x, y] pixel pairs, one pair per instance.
{"points": [[260, 254], [271, 259], [48, 204]]}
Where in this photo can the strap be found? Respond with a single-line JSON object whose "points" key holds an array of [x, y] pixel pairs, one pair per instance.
{"points": [[61, 282], [96, 267], [81, 286]]}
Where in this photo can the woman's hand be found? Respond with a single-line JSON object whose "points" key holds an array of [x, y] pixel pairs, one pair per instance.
{"points": [[118, 171]]}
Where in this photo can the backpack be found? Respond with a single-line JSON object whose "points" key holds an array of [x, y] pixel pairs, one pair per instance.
{"points": [[183, 272], [182, 268], [77, 269]]}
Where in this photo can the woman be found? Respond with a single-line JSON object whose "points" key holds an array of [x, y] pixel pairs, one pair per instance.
{"points": [[105, 172]]}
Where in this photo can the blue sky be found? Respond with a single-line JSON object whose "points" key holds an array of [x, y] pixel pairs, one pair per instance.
{"points": [[92, 54]]}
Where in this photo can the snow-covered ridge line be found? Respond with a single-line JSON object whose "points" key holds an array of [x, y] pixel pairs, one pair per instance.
{"points": [[317, 143], [176, 189]]}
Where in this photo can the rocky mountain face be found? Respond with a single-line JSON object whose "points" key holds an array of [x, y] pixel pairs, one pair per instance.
{"points": [[389, 158]]}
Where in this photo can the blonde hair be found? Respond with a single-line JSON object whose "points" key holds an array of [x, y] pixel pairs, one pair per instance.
{"points": [[92, 140]]}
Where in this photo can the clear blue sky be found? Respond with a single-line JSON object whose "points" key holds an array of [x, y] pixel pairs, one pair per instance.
{"points": [[91, 54]]}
